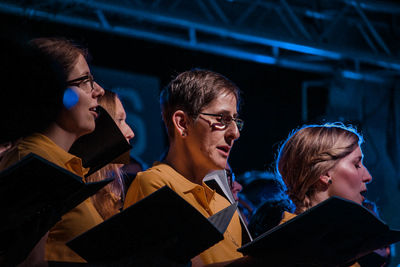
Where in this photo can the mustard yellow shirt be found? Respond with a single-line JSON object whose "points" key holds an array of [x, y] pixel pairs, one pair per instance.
{"points": [[205, 200], [78, 220]]}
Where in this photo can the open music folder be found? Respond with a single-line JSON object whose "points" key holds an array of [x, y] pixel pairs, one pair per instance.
{"points": [[162, 223], [218, 181], [106, 144], [334, 233], [34, 194]]}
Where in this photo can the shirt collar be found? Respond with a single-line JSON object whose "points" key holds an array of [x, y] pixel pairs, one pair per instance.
{"points": [[188, 186], [71, 161]]}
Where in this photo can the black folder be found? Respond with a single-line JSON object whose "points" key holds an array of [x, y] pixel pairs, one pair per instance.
{"points": [[163, 224], [106, 144], [35, 193], [334, 233]]}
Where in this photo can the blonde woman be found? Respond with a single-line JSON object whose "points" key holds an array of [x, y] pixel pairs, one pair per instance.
{"points": [[320, 161], [108, 201]]}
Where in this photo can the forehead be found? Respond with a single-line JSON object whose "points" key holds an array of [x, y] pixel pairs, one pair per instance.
{"points": [[356, 154], [119, 109], [224, 102], [80, 68]]}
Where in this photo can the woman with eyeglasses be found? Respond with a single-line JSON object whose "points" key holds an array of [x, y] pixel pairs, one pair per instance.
{"points": [[71, 113], [200, 112]]}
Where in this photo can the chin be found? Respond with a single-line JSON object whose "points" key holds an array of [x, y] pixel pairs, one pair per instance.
{"points": [[87, 130], [221, 164], [215, 166], [90, 128]]}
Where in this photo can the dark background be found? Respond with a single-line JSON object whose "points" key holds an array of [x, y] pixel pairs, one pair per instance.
{"points": [[271, 105], [272, 102]]}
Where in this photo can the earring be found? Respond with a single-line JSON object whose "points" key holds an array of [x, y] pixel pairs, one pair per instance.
{"points": [[183, 134], [330, 181]]}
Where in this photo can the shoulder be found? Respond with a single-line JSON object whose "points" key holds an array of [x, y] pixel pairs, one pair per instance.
{"points": [[19, 151], [154, 178], [35, 143], [156, 173], [145, 183], [162, 173]]}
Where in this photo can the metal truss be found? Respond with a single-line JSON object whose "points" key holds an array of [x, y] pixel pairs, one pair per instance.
{"points": [[356, 39]]}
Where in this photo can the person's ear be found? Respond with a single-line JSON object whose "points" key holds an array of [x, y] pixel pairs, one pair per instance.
{"points": [[325, 179], [181, 121]]}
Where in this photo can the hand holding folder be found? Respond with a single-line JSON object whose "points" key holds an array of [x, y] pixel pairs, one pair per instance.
{"points": [[163, 224]]}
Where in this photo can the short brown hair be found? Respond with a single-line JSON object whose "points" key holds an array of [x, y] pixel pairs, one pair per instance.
{"points": [[191, 91], [310, 152], [64, 51]]}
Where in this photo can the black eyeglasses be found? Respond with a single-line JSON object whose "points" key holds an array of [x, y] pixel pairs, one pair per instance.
{"points": [[226, 119], [84, 79]]}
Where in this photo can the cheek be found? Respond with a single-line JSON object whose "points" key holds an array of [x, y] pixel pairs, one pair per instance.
{"points": [[348, 181], [78, 109], [354, 179]]}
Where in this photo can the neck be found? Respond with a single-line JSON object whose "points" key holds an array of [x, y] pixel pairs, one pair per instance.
{"points": [[60, 137], [319, 197], [184, 164]]}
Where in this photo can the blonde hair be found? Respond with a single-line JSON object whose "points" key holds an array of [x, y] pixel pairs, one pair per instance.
{"points": [[310, 152], [108, 200]]}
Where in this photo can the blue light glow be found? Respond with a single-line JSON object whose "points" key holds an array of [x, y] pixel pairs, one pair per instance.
{"points": [[70, 98], [362, 76], [352, 75]]}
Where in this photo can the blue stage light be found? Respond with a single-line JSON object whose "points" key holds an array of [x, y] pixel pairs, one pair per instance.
{"points": [[70, 98]]}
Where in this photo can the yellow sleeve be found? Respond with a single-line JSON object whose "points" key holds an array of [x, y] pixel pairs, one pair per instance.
{"points": [[144, 184]]}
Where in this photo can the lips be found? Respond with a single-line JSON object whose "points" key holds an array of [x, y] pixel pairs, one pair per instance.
{"points": [[363, 194], [224, 150], [94, 111]]}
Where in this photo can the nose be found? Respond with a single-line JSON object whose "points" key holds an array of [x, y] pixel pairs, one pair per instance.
{"points": [[367, 176], [232, 132], [97, 91], [129, 133]]}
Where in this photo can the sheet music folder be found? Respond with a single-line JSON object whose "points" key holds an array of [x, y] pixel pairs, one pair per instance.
{"points": [[334, 233], [106, 144], [218, 181], [163, 222], [35, 194]]}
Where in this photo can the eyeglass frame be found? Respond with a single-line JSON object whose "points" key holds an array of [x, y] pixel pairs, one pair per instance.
{"points": [[78, 81], [239, 122]]}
